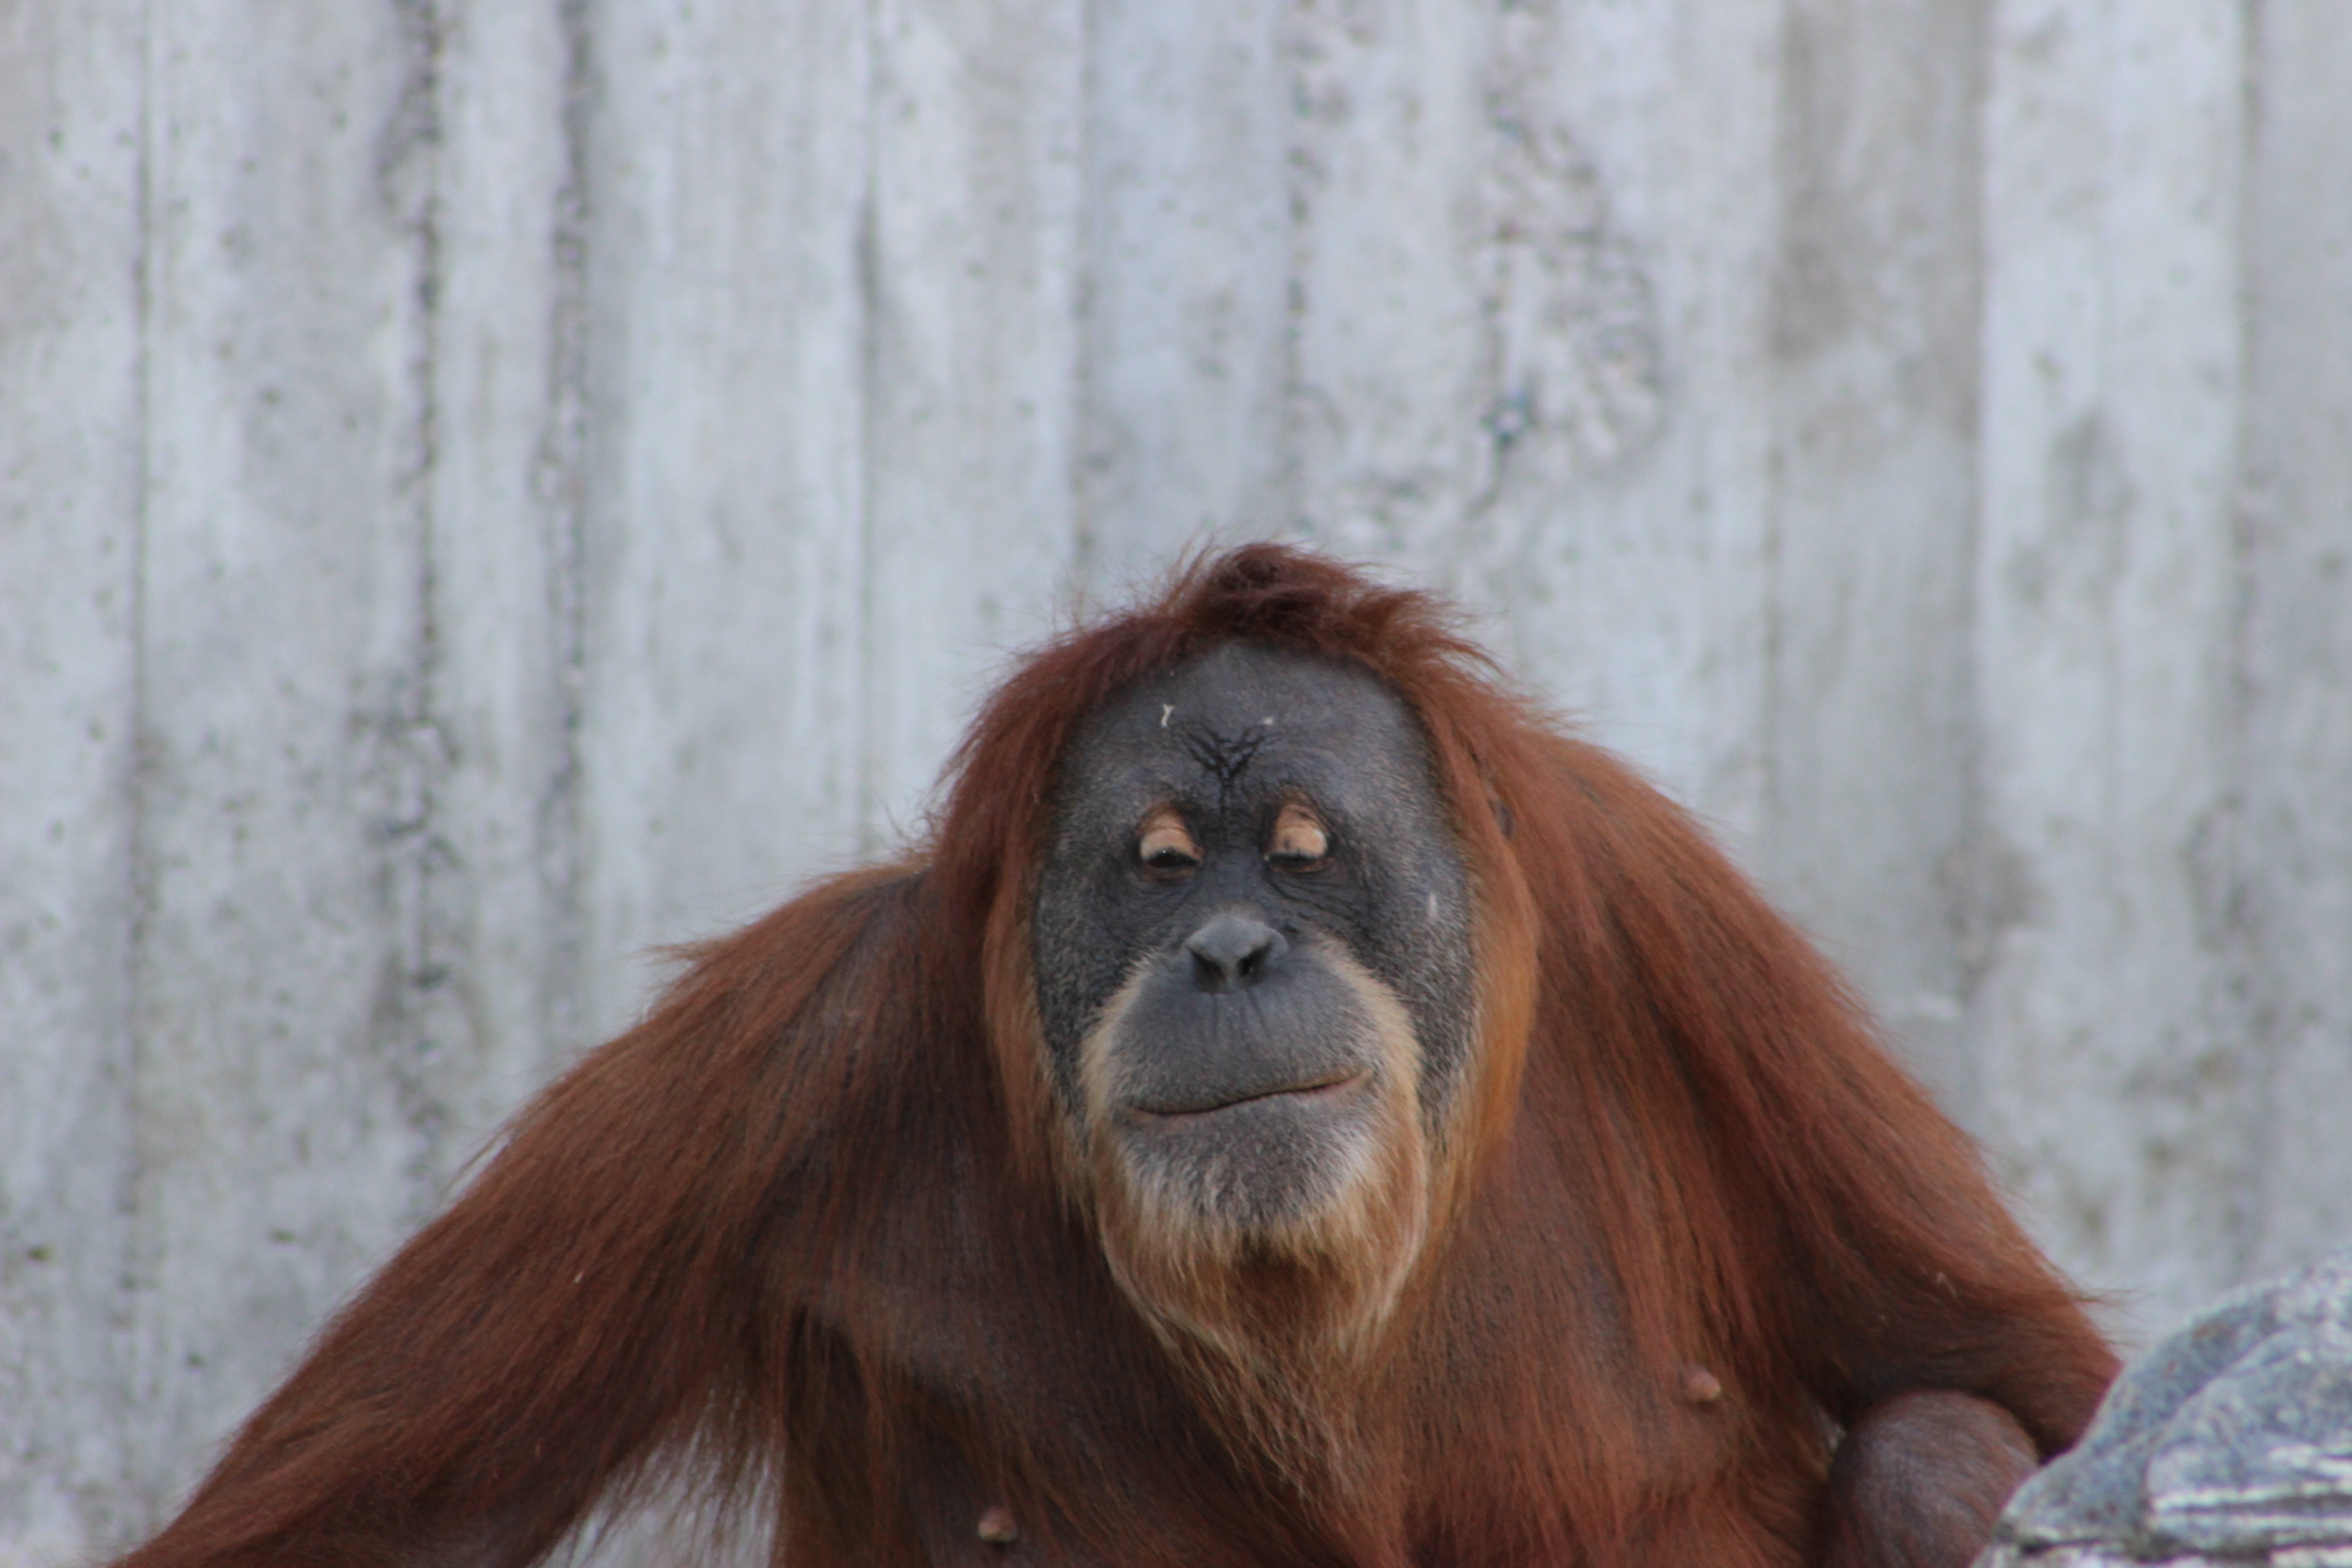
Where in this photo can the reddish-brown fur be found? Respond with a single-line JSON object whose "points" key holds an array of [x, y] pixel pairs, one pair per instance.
{"points": [[811, 1231]]}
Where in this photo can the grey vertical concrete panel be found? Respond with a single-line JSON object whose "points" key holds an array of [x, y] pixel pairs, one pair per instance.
{"points": [[1186, 310], [1534, 245], [1874, 347], [71, 392], [1632, 517], [2115, 1083], [2295, 695], [972, 257], [1390, 369], [722, 525], [496, 943], [291, 762]]}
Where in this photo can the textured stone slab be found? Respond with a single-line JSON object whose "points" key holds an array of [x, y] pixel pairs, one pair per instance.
{"points": [[2231, 1441]]}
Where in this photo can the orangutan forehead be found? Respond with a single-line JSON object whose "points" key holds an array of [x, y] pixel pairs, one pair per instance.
{"points": [[1241, 710]]}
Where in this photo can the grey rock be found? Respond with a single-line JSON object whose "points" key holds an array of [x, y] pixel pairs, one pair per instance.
{"points": [[2229, 1443]]}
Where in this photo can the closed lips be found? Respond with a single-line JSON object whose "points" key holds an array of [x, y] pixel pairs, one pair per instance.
{"points": [[1329, 1089]]}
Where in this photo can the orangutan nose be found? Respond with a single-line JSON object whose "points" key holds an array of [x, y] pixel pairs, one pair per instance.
{"points": [[1234, 953]]}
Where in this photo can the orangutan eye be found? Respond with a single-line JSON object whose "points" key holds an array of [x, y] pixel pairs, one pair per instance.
{"points": [[1298, 842], [1165, 847]]}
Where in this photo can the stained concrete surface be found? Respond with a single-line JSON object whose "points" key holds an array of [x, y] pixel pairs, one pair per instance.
{"points": [[486, 490]]}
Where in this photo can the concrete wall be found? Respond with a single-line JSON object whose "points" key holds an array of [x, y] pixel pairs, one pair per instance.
{"points": [[485, 488]]}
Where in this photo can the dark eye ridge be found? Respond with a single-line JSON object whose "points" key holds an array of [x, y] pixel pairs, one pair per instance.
{"points": [[1165, 846], [1299, 841]]}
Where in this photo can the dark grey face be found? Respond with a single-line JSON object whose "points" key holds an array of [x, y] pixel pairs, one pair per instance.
{"points": [[1236, 846]]}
